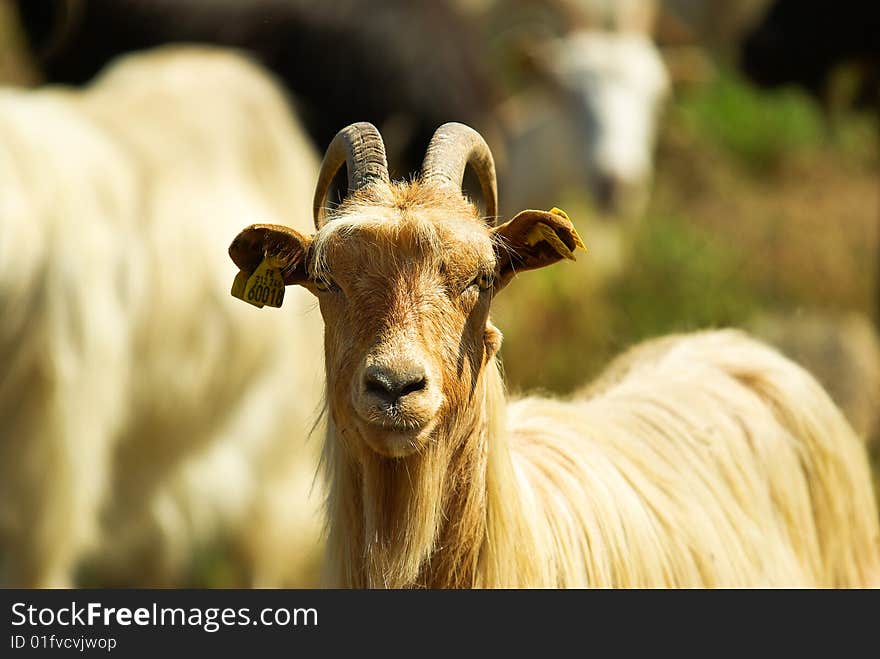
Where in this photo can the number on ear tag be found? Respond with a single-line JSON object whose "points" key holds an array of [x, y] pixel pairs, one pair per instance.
{"points": [[264, 287]]}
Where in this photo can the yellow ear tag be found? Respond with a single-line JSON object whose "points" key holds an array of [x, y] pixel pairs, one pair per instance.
{"points": [[577, 239], [264, 287], [238, 285], [558, 211], [542, 232]]}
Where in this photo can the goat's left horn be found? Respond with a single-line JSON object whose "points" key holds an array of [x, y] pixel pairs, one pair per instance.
{"points": [[454, 147], [360, 147]]}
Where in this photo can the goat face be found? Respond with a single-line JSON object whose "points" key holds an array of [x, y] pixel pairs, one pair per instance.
{"points": [[404, 274], [405, 299]]}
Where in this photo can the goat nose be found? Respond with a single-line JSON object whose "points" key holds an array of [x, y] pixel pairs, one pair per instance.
{"points": [[392, 385]]}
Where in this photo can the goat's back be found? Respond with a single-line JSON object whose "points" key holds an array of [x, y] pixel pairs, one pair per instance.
{"points": [[702, 460]]}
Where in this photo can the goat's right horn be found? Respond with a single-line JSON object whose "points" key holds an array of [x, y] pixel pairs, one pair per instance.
{"points": [[454, 147], [361, 148]]}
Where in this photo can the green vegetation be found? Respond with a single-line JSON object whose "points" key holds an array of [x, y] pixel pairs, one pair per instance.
{"points": [[758, 128], [680, 277]]}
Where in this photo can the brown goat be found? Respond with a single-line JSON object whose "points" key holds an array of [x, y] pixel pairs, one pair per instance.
{"points": [[435, 481]]}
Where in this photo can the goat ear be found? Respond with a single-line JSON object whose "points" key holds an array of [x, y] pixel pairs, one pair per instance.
{"points": [[287, 248], [533, 239]]}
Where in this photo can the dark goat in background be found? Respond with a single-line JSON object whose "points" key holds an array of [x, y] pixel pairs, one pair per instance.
{"points": [[802, 42], [405, 66]]}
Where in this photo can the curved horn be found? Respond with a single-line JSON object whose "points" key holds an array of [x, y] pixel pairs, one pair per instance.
{"points": [[454, 147], [360, 147]]}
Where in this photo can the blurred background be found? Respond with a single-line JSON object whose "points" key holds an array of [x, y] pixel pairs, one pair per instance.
{"points": [[719, 157]]}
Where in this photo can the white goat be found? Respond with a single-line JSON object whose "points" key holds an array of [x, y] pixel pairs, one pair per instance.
{"points": [[144, 413], [588, 120], [703, 460]]}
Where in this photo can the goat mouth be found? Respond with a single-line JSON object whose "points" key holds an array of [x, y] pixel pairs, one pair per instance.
{"points": [[393, 425], [398, 416], [393, 418], [394, 438], [395, 428]]}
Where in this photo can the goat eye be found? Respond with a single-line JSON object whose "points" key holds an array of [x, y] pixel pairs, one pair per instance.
{"points": [[483, 281], [326, 284]]}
